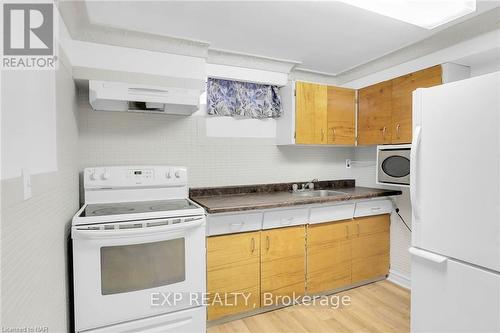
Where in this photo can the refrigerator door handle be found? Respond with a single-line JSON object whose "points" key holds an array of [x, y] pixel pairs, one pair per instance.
{"points": [[413, 170], [427, 255]]}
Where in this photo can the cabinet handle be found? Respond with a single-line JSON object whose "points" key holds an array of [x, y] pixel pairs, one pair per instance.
{"points": [[236, 226], [253, 245], [357, 225], [397, 130], [322, 135], [346, 232], [334, 134], [268, 243], [384, 130]]}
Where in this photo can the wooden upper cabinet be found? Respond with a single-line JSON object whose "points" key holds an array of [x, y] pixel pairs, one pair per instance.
{"points": [[402, 90], [233, 266], [341, 116], [310, 113], [375, 114], [282, 263]]}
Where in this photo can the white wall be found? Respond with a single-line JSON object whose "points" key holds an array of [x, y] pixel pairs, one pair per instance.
{"points": [[28, 124], [34, 232], [481, 44]]}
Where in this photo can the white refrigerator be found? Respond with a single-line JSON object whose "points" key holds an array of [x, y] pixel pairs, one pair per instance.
{"points": [[455, 194]]}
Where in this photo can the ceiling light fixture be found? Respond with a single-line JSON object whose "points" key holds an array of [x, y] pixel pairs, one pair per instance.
{"points": [[424, 13]]}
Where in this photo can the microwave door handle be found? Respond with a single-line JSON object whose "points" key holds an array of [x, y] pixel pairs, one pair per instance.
{"points": [[414, 170], [125, 233]]}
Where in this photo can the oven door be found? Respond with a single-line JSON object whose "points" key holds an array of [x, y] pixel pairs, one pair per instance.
{"points": [[393, 166], [125, 271]]}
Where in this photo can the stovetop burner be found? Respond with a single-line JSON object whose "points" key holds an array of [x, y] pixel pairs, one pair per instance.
{"points": [[120, 208], [111, 211]]}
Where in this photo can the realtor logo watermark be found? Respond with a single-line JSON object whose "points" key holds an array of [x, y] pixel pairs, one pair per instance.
{"points": [[28, 36], [234, 299]]}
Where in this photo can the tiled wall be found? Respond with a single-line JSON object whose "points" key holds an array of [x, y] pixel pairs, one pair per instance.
{"points": [[109, 138], [34, 231]]}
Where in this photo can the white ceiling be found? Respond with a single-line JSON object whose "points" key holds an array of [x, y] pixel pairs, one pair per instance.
{"points": [[328, 36]]}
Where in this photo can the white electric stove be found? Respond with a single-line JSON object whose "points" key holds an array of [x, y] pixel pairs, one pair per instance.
{"points": [[138, 243]]}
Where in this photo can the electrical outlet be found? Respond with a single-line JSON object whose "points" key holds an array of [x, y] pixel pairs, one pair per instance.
{"points": [[348, 163]]}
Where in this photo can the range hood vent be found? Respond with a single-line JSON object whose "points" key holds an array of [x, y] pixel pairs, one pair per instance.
{"points": [[126, 97]]}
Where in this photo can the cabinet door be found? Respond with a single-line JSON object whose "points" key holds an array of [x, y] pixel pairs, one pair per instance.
{"points": [[282, 263], [370, 247], [310, 113], [233, 266], [375, 114], [328, 256], [341, 115], [402, 91]]}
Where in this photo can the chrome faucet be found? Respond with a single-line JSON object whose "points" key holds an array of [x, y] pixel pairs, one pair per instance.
{"points": [[305, 186], [310, 184]]}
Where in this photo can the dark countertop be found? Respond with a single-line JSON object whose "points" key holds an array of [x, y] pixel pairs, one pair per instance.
{"points": [[262, 196]]}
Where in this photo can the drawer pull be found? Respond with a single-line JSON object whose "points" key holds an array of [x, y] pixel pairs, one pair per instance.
{"points": [[346, 232], [237, 226], [376, 209], [253, 245], [268, 243], [357, 225]]}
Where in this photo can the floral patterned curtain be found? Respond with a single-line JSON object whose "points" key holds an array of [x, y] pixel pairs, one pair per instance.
{"points": [[243, 99]]}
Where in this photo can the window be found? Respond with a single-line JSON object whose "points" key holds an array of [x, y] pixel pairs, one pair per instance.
{"points": [[243, 99]]}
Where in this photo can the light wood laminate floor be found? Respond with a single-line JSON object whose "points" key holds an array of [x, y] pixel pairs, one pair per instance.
{"points": [[377, 307]]}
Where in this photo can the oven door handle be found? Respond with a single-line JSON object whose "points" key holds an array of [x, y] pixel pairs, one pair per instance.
{"points": [[144, 231]]}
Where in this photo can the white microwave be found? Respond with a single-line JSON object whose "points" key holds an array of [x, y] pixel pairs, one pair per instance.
{"points": [[393, 165]]}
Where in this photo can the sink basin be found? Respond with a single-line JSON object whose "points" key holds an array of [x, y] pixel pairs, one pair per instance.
{"points": [[319, 193]]}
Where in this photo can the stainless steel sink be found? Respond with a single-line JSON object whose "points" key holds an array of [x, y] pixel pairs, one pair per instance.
{"points": [[319, 193]]}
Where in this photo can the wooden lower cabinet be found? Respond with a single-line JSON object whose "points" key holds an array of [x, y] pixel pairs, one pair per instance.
{"points": [[233, 266], [328, 256], [370, 247], [347, 252], [271, 264], [282, 264]]}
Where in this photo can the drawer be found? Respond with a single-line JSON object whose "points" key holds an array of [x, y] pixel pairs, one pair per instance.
{"points": [[233, 223], [285, 218], [373, 207], [332, 213]]}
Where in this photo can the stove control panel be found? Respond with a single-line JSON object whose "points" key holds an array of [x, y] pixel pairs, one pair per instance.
{"points": [[134, 176]]}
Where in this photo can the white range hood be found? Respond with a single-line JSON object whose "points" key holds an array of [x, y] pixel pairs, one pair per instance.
{"points": [[120, 96]]}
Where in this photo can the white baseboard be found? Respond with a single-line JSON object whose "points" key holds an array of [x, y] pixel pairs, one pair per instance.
{"points": [[399, 279]]}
